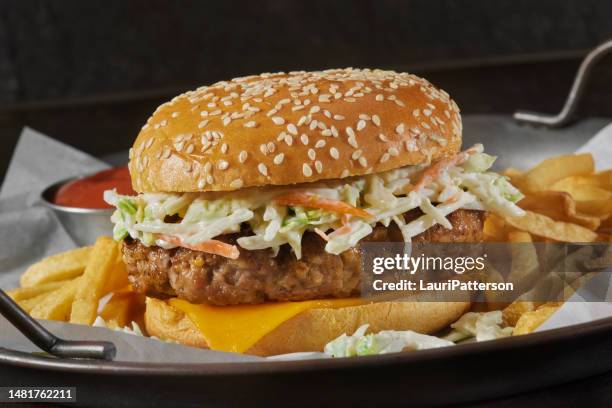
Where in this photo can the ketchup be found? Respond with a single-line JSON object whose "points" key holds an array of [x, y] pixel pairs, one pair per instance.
{"points": [[87, 192]]}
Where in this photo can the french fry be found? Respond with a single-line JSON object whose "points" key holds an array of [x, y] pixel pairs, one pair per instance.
{"points": [[119, 277], [531, 320], [57, 304], [559, 206], [597, 208], [601, 180], [31, 303], [582, 192], [35, 291], [62, 266], [122, 308], [542, 225], [549, 171], [495, 229], [102, 263], [525, 265], [512, 313]]}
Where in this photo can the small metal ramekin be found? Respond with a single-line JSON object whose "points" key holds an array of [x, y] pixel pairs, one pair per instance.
{"points": [[84, 225]]}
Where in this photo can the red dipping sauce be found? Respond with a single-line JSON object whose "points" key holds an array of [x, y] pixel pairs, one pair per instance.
{"points": [[87, 192]]}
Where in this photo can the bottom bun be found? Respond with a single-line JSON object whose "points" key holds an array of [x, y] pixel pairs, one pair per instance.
{"points": [[311, 330]]}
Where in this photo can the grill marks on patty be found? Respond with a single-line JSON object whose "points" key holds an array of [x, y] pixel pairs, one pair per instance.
{"points": [[257, 277]]}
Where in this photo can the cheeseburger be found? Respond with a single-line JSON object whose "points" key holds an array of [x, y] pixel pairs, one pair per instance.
{"points": [[254, 195]]}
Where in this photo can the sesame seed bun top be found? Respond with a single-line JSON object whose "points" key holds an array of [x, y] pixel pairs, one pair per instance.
{"points": [[297, 127]]}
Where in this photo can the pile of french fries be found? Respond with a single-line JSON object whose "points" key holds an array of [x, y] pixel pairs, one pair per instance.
{"points": [[79, 286], [565, 201]]}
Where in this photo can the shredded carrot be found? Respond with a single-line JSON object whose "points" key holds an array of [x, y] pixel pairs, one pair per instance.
{"points": [[344, 229], [454, 198], [321, 233], [211, 246], [313, 201], [435, 170]]}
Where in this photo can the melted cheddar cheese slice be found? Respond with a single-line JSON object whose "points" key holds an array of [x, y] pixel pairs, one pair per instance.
{"points": [[237, 328]]}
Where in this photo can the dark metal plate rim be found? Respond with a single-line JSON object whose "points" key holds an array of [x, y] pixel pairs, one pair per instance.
{"points": [[27, 360]]}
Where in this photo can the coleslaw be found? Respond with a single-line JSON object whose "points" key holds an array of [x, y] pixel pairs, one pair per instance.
{"points": [[341, 211]]}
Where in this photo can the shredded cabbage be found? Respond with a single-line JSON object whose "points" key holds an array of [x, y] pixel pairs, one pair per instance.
{"points": [[482, 326], [386, 196], [386, 341]]}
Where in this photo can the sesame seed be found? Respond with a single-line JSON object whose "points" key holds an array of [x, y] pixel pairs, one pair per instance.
{"points": [[399, 103], [384, 157], [226, 120], [315, 109], [201, 183], [353, 142], [278, 159], [189, 149], [202, 123], [210, 179], [425, 125], [224, 148], [363, 161], [376, 120], [306, 170], [278, 120], [333, 152], [222, 165], [410, 145], [426, 112], [361, 125], [288, 140], [318, 166], [242, 156], [304, 139], [326, 132], [312, 154], [393, 151], [237, 183], [292, 129], [356, 154], [339, 117], [416, 113], [263, 148], [350, 132], [302, 120], [345, 173], [175, 114], [250, 124], [363, 116], [320, 144], [380, 97], [262, 169], [313, 124], [399, 129]]}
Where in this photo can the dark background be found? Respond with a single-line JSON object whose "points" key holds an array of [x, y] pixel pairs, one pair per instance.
{"points": [[89, 73]]}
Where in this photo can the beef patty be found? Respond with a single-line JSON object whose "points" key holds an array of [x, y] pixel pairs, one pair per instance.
{"points": [[257, 277]]}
